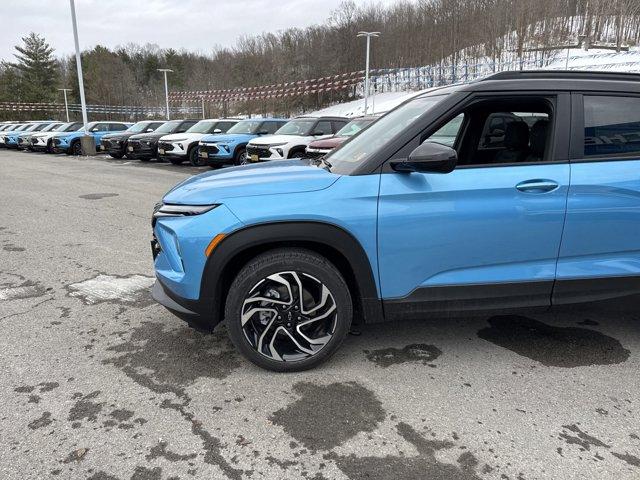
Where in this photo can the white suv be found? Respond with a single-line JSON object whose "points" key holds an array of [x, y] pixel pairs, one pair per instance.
{"points": [[291, 140], [179, 147]]}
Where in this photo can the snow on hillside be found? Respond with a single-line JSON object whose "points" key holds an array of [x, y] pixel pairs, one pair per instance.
{"points": [[594, 59]]}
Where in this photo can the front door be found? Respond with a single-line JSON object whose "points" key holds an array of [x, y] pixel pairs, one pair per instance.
{"points": [[487, 235]]}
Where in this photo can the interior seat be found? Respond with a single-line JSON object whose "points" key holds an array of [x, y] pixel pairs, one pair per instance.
{"points": [[516, 142], [538, 140]]}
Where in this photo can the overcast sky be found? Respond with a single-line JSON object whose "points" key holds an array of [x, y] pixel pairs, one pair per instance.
{"points": [[196, 25]]}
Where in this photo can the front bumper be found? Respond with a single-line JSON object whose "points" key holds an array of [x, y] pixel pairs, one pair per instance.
{"points": [[265, 153], [165, 298], [136, 149], [116, 147], [215, 154]]}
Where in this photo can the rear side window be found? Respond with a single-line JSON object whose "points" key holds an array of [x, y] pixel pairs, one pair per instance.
{"points": [[322, 128], [185, 126], [338, 124], [270, 127], [116, 127], [224, 126], [611, 126]]}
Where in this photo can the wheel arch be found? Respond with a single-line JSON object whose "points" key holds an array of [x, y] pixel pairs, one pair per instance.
{"points": [[296, 148], [333, 242]]}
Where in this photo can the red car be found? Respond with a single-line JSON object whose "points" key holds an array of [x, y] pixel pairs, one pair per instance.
{"points": [[320, 148]]}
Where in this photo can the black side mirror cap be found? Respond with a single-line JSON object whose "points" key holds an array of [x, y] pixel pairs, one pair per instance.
{"points": [[428, 158]]}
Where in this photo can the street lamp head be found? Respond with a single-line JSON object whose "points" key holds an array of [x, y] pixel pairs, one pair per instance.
{"points": [[368, 34], [168, 70]]}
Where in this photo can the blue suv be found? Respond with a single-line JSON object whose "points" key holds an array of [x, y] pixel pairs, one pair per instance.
{"points": [[69, 142], [220, 149], [532, 202]]}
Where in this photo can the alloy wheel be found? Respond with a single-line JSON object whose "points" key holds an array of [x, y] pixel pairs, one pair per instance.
{"points": [[289, 316]]}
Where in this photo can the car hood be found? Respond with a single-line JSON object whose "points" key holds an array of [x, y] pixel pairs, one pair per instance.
{"points": [[331, 142], [148, 136], [175, 137], [228, 138], [117, 136], [274, 139], [289, 176]]}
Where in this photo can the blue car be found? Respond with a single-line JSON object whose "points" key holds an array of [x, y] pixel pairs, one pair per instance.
{"points": [[220, 149], [69, 142], [10, 138], [394, 224]]}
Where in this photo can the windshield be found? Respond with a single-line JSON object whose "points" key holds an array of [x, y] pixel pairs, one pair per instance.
{"points": [[31, 128], [68, 127], [247, 126], [168, 127], [353, 127], [138, 127], [345, 159], [50, 127], [204, 126], [300, 126]]}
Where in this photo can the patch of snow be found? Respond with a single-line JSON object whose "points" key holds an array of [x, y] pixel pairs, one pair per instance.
{"points": [[104, 288]]}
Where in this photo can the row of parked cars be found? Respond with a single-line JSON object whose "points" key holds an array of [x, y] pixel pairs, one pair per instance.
{"points": [[212, 142]]}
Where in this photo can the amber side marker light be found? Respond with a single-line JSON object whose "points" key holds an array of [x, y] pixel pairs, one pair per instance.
{"points": [[214, 243]]}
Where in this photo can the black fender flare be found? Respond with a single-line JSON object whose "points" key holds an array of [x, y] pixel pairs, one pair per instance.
{"points": [[261, 237], [297, 147]]}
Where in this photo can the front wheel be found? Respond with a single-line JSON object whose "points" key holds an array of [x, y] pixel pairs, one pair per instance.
{"points": [[75, 148], [195, 159], [288, 310], [116, 155], [240, 157]]}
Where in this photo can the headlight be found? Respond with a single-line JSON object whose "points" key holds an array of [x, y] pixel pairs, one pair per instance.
{"points": [[168, 210]]}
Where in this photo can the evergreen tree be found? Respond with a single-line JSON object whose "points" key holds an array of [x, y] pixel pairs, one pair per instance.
{"points": [[37, 68]]}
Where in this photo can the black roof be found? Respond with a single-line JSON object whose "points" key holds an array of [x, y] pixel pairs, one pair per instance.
{"points": [[322, 117], [557, 80]]}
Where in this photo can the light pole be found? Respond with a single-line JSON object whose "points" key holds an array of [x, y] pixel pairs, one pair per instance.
{"points": [[79, 66], [66, 105], [366, 71], [202, 100], [166, 86]]}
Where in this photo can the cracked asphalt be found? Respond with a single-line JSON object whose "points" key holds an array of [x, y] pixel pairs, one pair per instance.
{"points": [[98, 382]]}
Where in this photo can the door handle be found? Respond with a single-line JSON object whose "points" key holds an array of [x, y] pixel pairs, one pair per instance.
{"points": [[537, 186]]}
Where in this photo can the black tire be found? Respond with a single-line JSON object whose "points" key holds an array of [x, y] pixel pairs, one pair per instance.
{"points": [[240, 157], [195, 159], [75, 148], [49, 148], [333, 325], [145, 159], [176, 161], [296, 153], [116, 155]]}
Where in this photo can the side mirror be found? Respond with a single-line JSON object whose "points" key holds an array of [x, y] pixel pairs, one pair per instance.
{"points": [[263, 132], [94, 129], [318, 133], [428, 158], [149, 130], [217, 130]]}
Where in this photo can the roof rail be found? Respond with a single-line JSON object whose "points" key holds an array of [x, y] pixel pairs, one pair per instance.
{"points": [[563, 74]]}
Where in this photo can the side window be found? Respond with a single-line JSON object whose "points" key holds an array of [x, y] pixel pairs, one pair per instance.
{"points": [[185, 126], [224, 126], [337, 125], [116, 127], [500, 131], [448, 134], [270, 127], [322, 128], [611, 126]]}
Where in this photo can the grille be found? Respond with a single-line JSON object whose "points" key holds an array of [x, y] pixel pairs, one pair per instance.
{"points": [[261, 151], [210, 149], [167, 147]]}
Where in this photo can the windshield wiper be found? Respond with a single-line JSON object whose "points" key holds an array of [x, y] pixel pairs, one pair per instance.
{"points": [[326, 163]]}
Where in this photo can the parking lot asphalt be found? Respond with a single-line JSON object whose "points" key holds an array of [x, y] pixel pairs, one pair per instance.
{"points": [[99, 382]]}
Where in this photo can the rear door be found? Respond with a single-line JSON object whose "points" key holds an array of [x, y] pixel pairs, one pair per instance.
{"points": [[600, 251]]}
